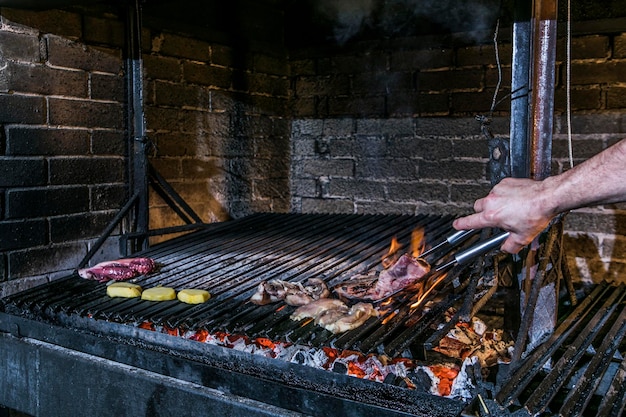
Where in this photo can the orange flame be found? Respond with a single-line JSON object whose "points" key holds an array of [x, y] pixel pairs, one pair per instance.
{"points": [[390, 258], [428, 291], [418, 243]]}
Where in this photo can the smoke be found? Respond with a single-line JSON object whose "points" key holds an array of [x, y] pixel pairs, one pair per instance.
{"points": [[349, 16], [397, 17]]}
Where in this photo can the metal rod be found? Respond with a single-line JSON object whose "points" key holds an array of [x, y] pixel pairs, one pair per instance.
{"points": [[542, 87], [520, 145], [137, 144], [109, 229], [548, 388], [578, 400], [520, 376], [174, 197]]}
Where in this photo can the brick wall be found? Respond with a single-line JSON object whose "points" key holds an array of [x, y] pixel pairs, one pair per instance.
{"points": [[217, 116], [215, 110], [409, 142], [62, 142]]}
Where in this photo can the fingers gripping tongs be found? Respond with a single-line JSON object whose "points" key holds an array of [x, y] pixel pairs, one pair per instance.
{"points": [[467, 255]]}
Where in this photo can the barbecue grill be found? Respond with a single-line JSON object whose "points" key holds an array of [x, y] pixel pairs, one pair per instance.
{"points": [[230, 357], [138, 344]]}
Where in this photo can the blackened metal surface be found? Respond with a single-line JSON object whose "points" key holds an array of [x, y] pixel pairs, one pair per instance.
{"points": [[563, 375]]}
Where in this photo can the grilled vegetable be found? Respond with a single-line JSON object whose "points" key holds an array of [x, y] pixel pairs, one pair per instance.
{"points": [[158, 294], [193, 296], [123, 289]]}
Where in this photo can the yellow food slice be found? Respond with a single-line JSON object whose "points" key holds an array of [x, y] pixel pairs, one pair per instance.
{"points": [[158, 294], [193, 296], [123, 289]]}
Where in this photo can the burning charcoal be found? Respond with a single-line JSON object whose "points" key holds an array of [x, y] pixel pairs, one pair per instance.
{"points": [[420, 378], [340, 368]]}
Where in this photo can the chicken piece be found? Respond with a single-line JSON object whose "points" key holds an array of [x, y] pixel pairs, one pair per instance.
{"points": [[316, 308], [360, 287], [355, 317]]}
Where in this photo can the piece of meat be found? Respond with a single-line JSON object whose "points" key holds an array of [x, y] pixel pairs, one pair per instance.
{"points": [[118, 270], [355, 317], [334, 315], [405, 272], [360, 287], [317, 307], [293, 293]]}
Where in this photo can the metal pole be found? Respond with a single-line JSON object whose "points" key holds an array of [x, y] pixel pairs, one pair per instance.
{"points": [[542, 87], [138, 144], [520, 167]]}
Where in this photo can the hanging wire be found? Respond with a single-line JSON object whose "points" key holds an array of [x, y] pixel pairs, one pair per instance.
{"points": [[568, 84], [494, 101]]}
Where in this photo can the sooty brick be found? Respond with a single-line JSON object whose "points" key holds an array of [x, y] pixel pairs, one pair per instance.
{"points": [[19, 46], [86, 170], [59, 22], [86, 113], [39, 141], [23, 234], [22, 109], [107, 87], [413, 191], [68, 54], [46, 81], [22, 172], [109, 142], [37, 261], [79, 226], [108, 197], [43, 202]]}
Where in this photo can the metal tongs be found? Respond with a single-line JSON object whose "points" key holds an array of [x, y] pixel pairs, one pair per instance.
{"points": [[467, 255], [460, 258]]}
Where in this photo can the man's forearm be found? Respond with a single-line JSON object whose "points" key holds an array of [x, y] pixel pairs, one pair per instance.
{"points": [[599, 180]]}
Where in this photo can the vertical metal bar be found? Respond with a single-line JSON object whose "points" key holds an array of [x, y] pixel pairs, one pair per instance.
{"points": [[542, 87], [520, 139], [520, 167], [138, 166]]}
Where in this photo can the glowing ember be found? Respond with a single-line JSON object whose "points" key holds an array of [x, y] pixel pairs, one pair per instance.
{"points": [[446, 376]]}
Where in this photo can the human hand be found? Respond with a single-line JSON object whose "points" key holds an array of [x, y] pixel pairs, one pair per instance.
{"points": [[516, 205]]}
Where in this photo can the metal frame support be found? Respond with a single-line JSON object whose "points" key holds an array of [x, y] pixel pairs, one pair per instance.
{"points": [[542, 91], [138, 176], [140, 172], [520, 143]]}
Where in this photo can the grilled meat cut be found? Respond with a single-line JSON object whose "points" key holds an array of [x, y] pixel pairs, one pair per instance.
{"points": [[118, 270], [334, 315], [405, 272], [318, 307], [355, 317], [293, 293]]}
